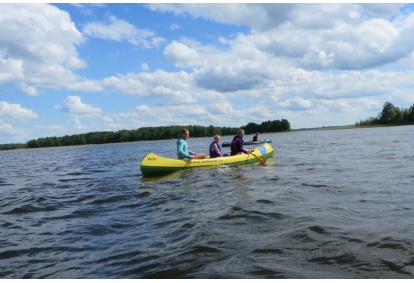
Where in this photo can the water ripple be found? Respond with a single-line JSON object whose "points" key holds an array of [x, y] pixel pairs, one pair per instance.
{"points": [[330, 205]]}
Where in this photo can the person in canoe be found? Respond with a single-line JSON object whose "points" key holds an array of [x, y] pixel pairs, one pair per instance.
{"points": [[215, 148], [256, 137], [182, 148], [237, 144]]}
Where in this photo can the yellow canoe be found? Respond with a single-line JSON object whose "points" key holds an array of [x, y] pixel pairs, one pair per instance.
{"points": [[155, 165]]}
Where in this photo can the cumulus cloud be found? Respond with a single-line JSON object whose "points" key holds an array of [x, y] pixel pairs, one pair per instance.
{"points": [[111, 124], [80, 112], [297, 104], [220, 107], [382, 11], [242, 67], [312, 52], [144, 67], [5, 127], [299, 55], [182, 55], [252, 15], [143, 109], [187, 114], [10, 69], [38, 47], [10, 113], [310, 36], [294, 61], [16, 111], [12, 133], [74, 104], [120, 30], [161, 85]]}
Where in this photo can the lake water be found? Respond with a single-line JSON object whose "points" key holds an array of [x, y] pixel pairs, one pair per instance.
{"points": [[329, 204]]}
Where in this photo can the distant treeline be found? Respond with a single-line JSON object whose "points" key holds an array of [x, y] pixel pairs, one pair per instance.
{"points": [[391, 115], [13, 146], [149, 133]]}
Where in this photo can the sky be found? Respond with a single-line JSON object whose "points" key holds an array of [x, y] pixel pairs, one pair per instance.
{"points": [[69, 68]]}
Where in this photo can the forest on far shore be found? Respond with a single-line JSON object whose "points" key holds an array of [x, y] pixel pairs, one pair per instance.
{"points": [[391, 115], [149, 133]]}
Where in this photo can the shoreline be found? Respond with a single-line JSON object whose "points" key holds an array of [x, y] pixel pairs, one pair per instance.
{"points": [[345, 127], [324, 128]]}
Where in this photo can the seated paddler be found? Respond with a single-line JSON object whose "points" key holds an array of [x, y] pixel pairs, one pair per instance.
{"points": [[183, 152]]}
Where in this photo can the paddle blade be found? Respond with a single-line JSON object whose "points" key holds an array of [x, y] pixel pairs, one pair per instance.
{"points": [[262, 159]]}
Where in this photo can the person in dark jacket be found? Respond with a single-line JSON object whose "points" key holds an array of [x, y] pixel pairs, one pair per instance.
{"points": [[238, 143], [215, 149]]}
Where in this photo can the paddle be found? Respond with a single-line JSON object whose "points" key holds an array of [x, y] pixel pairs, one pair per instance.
{"points": [[262, 159]]}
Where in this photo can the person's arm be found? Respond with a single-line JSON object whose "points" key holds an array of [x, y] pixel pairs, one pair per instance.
{"points": [[215, 148], [241, 146]]}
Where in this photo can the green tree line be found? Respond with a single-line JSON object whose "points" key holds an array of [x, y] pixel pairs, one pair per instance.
{"points": [[390, 115], [148, 134], [10, 146]]}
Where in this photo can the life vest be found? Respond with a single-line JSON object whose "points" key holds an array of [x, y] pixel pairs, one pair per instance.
{"points": [[213, 153], [234, 145]]}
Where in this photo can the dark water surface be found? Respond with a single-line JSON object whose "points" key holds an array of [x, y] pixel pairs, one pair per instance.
{"points": [[330, 204]]}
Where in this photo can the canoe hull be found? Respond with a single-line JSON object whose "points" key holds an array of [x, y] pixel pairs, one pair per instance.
{"points": [[227, 144], [155, 165]]}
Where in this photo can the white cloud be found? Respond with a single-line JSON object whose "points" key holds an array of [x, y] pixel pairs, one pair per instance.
{"points": [[182, 55], [297, 104], [308, 57], [120, 30], [87, 9], [12, 134], [13, 113], [254, 15], [6, 128], [74, 105], [38, 47], [78, 125], [293, 61], [382, 10], [10, 69], [144, 67], [143, 110], [16, 111], [174, 27], [57, 128], [188, 114], [220, 107], [166, 87], [310, 36], [110, 124], [86, 85]]}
